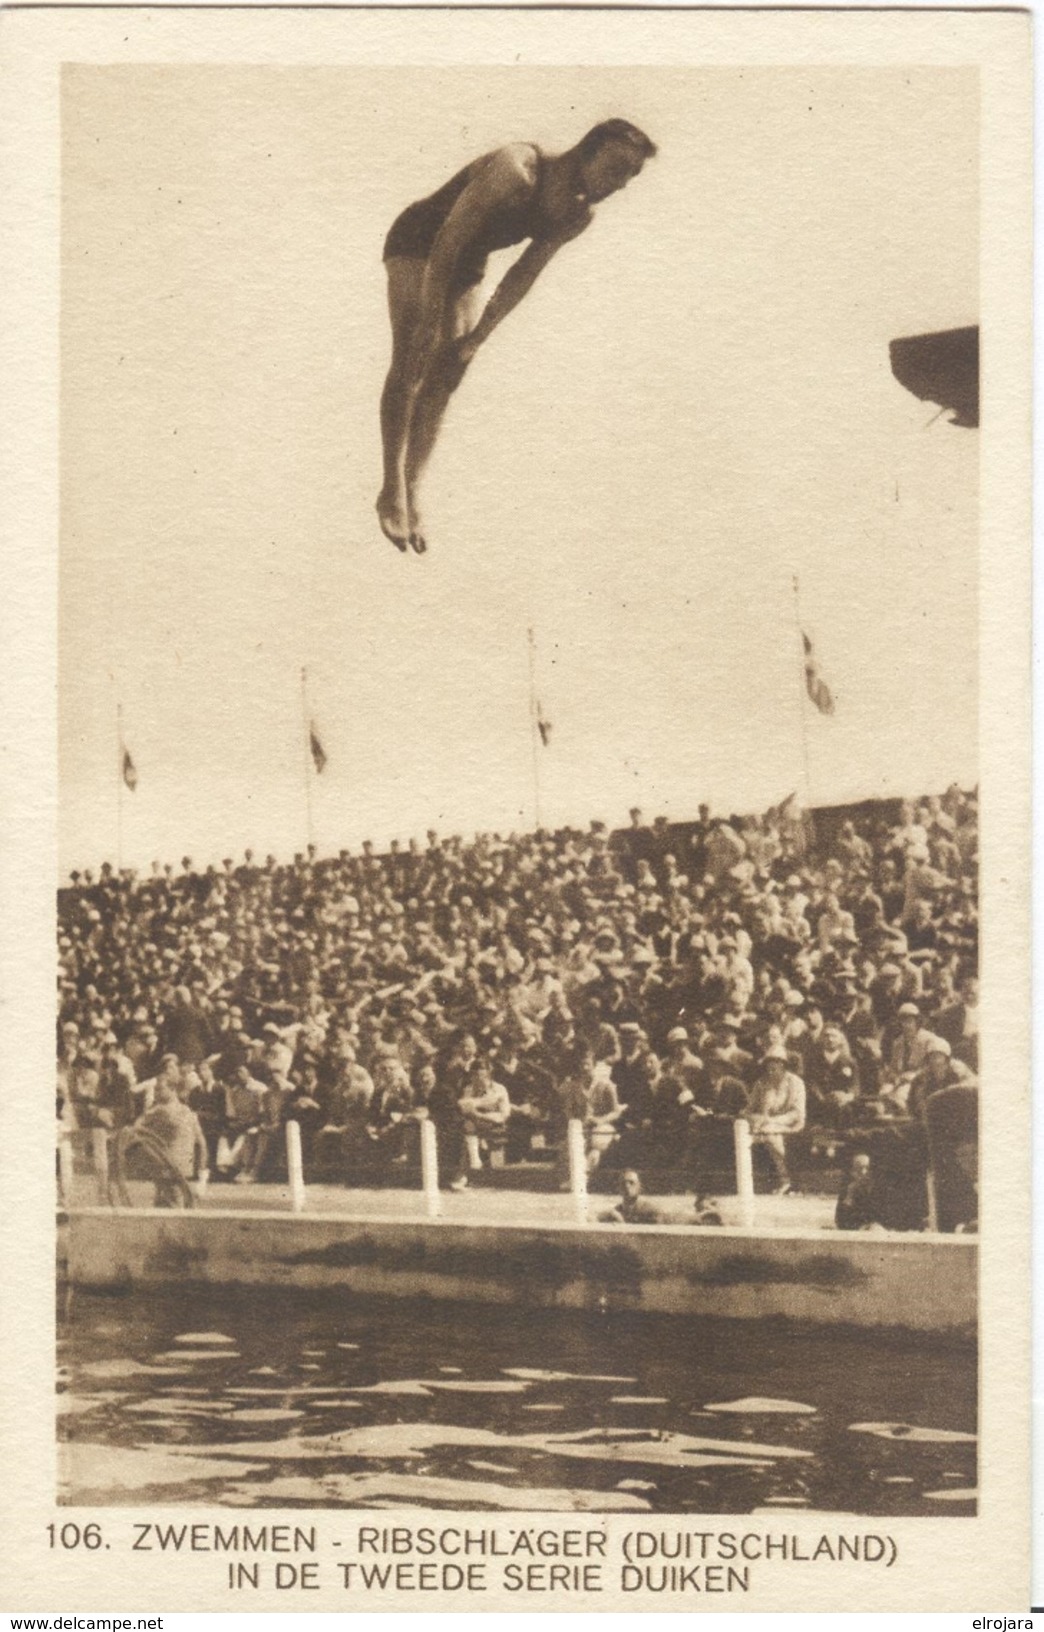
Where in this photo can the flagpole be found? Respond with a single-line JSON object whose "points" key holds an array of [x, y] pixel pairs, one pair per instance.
{"points": [[119, 786], [802, 691], [534, 725], [307, 747]]}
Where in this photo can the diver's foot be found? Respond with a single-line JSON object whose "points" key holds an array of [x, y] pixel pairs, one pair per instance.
{"points": [[418, 532], [394, 523]]}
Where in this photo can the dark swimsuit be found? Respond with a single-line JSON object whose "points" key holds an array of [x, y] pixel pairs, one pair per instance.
{"points": [[413, 233]]}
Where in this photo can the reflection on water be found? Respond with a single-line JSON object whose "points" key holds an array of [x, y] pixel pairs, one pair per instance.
{"points": [[251, 1399]]}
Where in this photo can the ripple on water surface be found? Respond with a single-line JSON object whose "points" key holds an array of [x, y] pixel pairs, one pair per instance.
{"points": [[201, 1399]]}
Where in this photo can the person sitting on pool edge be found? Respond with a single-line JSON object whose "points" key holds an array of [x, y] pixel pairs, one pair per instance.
{"points": [[435, 255], [632, 1207]]}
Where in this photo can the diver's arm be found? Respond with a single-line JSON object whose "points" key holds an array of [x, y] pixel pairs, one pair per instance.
{"points": [[516, 282], [507, 178]]}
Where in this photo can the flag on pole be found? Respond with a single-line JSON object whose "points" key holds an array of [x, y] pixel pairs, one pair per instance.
{"points": [[317, 750], [817, 688], [130, 771], [543, 726], [789, 810]]}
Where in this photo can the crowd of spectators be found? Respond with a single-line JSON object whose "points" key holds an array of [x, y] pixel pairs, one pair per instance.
{"points": [[656, 983]]}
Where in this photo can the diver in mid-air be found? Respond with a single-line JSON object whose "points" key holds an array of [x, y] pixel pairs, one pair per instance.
{"points": [[436, 256]]}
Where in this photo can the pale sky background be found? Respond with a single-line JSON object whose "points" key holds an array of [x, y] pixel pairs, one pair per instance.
{"points": [[694, 403]]}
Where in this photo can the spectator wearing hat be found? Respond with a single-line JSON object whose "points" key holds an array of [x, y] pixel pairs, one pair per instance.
{"points": [[725, 1032], [886, 996], [682, 1069], [958, 1023], [940, 1070], [116, 1105], [649, 989], [627, 1068], [831, 1078], [777, 1111], [277, 1051], [908, 1055], [853, 1011]]}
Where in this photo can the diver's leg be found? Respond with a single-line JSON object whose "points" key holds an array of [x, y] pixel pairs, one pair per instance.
{"points": [[443, 377], [427, 419], [405, 280]]}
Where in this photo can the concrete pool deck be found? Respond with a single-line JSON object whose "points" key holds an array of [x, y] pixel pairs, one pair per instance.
{"points": [[480, 1204], [499, 1246]]}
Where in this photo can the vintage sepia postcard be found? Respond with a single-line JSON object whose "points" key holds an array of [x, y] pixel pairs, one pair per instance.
{"points": [[516, 840]]}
